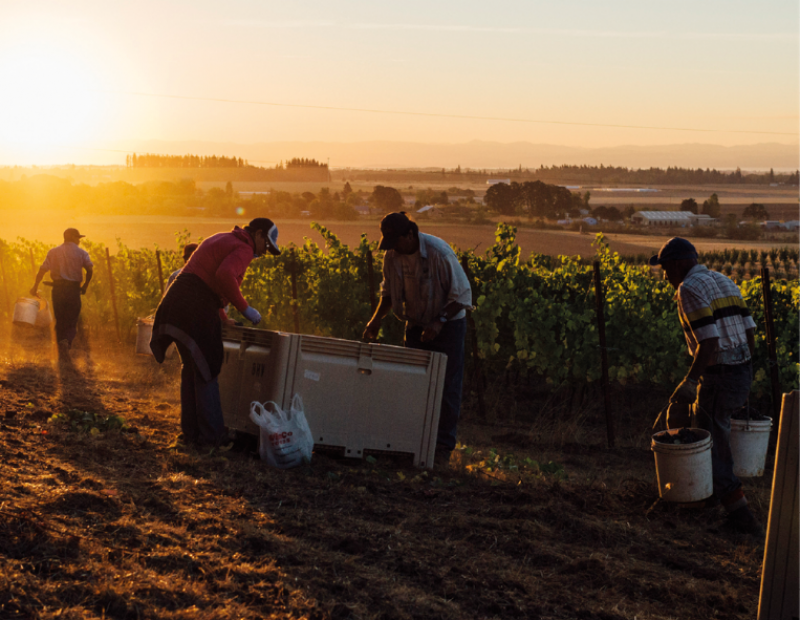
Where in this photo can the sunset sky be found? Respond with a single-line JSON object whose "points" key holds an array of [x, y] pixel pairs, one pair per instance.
{"points": [[70, 73]]}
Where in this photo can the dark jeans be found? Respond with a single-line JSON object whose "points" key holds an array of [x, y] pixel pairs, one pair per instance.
{"points": [[450, 341], [66, 309], [201, 408], [719, 397]]}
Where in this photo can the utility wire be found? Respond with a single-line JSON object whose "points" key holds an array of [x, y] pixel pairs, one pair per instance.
{"points": [[440, 115]]}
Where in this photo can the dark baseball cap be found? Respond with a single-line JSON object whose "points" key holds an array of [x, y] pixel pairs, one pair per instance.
{"points": [[676, 248], [72, 233], [270, 230], [393, 226]]}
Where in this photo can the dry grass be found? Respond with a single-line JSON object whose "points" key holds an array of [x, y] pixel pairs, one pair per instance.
{"points": [[121, 525]]}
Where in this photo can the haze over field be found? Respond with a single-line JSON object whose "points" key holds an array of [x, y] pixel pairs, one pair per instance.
{"points": [[482, 85], [481, 154]]}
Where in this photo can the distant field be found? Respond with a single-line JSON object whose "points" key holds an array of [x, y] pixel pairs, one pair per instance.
{"points": [[145, 231]]}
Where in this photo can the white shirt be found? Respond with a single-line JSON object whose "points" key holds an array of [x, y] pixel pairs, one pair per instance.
{"points": [[67, 262]]}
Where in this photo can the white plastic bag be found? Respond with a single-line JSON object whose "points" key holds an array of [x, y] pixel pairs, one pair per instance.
{"points": [[284, 440]]}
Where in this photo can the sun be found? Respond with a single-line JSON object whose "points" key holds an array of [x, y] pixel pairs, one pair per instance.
{"points": [[47, 97]]}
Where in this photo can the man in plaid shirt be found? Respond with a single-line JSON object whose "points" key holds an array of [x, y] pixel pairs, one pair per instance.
{"points": [[720, 334]]}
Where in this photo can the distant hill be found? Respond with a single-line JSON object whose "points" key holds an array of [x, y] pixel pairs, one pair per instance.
{"points": [[491, 155]]}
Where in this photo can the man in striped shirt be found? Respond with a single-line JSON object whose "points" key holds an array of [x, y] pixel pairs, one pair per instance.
{"points": [[720, 334]]}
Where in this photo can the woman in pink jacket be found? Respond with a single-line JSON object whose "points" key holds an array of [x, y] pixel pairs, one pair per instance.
{"points": [[190, 315]]}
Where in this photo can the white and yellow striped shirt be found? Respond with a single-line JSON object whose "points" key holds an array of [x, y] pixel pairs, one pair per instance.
{"points": [[710, 305]]}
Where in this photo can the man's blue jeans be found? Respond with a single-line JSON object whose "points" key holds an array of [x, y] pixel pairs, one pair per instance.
{"points": [[718, 398], [201, 407], [450, 341]]}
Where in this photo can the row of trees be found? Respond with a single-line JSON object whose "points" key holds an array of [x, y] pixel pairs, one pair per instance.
{"points": [[576, 175], [648, 176], [302, 162], [182, 198], [152, 160]]}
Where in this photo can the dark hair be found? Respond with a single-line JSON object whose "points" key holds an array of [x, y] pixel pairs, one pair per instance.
{"points": [[264, 224], [188, 250]]}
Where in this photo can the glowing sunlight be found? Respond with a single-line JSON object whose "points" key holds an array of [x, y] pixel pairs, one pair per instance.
{"points": [[46, 97]]}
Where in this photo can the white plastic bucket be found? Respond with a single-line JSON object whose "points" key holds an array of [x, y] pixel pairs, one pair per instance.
{"points": [[44, 317], [26, 311], [683, 470], [749, 443], [143, 333]]}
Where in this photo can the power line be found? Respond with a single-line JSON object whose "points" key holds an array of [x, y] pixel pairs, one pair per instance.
{"points": [[440, 115]]}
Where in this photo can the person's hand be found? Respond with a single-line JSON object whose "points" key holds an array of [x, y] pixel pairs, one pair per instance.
{"points": [[431, 330], [371, 331], [252, 315], [83, 290], [34, 292], [685, 393]]}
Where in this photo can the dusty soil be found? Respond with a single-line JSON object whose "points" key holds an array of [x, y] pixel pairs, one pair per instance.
{"points": [[127, 524]]}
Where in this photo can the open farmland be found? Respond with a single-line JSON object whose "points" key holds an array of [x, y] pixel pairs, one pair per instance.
{"points": [[127, 524], [145, 231]]}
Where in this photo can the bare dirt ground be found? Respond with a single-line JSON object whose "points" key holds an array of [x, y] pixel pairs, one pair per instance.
{"points": [[125, 524]]}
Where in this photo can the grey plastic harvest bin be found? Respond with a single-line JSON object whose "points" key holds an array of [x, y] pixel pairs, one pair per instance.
{"points": [[254, 367], [358, 397]]}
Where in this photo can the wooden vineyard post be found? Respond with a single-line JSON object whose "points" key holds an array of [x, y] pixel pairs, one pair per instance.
{"points": [[5, 285], [477, 375], [113, 294], [779, 575], [33, 264], [160, 273], [601, 330], [371, 281], [773, 355], [293, 275]]}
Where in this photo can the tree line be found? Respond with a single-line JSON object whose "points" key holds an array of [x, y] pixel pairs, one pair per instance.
{"points": [[579, 175], [181, 198], [152, 160]]}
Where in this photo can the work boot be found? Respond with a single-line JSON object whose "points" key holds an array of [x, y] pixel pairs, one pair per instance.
{"points": [[744, 521]]}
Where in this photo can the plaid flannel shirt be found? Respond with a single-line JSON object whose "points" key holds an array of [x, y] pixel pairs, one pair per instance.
{"points": [[710, 305]]}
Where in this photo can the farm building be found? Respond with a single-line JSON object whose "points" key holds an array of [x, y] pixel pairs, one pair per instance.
{"points": [[672, 218], [429, 211], [792, 225]]}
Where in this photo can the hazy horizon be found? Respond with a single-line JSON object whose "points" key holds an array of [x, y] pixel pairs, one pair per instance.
{"points": [[474, 154], [88, 81]]}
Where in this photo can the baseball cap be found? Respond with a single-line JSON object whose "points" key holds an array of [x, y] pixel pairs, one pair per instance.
{"points": [[676, 248], [270, 230], [72, 233], [393, 226]]}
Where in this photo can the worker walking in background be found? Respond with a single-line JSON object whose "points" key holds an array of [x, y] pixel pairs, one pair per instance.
{"points": [[189, 315], [426, 286], [66, 264], [720, 334], [188, 250]]}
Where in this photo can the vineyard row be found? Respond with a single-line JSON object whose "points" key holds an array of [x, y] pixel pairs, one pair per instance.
{"points": [[534, 315]]}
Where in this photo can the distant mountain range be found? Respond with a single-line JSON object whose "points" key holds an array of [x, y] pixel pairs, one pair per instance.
{"points": [[489, 155]]}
